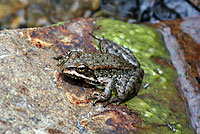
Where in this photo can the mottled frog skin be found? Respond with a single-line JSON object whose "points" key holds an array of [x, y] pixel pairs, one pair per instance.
{"points": [[114, 69]]}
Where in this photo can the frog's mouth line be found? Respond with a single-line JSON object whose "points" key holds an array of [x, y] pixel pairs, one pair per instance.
{"points": [[74, 74]]}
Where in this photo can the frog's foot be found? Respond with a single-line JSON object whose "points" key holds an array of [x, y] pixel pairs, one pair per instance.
{"points": [[113, 100], [99, 97], [59, 57]]}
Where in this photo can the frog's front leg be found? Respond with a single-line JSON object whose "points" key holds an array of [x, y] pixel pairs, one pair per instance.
{"points": [[109, 86]]}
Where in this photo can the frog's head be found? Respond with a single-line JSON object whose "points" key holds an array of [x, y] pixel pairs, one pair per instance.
{"points": [[74, 67]]}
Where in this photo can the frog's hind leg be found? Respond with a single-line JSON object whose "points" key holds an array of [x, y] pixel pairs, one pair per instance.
{"points": [[131, 88], [106, 46]]}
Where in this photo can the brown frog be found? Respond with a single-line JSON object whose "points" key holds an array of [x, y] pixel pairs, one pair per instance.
{"points": [[114, 69]]}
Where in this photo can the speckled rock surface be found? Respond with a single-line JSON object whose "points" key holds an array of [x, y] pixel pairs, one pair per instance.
{"points": [[30, 101]]}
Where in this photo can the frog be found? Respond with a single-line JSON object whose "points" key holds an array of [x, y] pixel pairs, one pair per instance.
{"points": [[114, 69]]}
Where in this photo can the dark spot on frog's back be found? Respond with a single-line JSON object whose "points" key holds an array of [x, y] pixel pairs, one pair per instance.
{"points": [[107, 57], [83, 57], [74, 55], [116, 51]]}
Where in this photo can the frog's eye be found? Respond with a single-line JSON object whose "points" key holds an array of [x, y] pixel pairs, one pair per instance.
{"points": [[81, 68]]}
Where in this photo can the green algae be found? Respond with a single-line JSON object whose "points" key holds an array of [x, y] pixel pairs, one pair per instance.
{"points": [[159, 104]]}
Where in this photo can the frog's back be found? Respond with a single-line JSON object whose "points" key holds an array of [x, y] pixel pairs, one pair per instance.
{"points": [[104, 61]]}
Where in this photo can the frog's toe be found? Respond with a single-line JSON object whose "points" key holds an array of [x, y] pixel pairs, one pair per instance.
{"points": [[100, 99], [57, 57], [93, 104], [118, 102], [96, 95]]}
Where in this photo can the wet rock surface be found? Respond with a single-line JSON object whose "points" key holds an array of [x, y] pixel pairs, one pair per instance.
{"points": [[30, 101]]}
